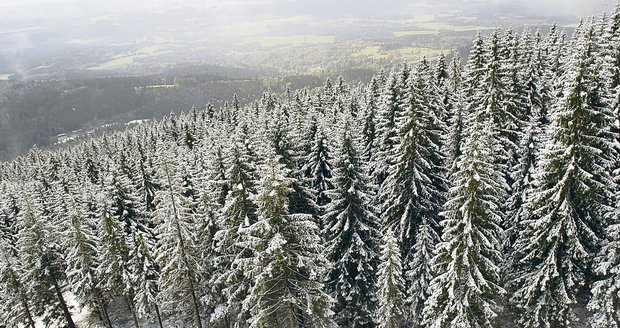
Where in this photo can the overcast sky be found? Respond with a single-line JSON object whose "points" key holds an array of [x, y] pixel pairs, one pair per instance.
{"points": [[17, 9]]}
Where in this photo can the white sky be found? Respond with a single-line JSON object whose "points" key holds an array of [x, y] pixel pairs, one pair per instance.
{"points": [[43, 8]]}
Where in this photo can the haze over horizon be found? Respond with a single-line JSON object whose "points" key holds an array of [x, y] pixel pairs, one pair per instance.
{"points": [[42, 33], [344, 8]]}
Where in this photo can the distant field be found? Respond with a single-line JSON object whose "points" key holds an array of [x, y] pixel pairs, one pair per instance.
{"points": [[271, 41], [370, 51], [406, 53], [116, 63], [437, 26], [125, 60], [414, 33], [414, 53]]}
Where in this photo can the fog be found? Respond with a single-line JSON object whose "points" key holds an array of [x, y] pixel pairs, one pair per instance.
{"points": [[243, 9], [81, 34]]}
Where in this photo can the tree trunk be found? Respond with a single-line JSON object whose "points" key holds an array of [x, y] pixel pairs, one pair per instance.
{"points": [[161, 325], [196, 309], [183, 256], [63, 304], [291, 316], [22, 297], [104, 311], [27, 309], [133, 311]]}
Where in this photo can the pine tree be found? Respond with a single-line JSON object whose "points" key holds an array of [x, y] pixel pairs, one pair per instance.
{"points": [[81, 243], [176, 250], [41, 260], [572, 190], [238, 213], [391, 285], [16, 309], [605, 300], [369, 120], [415, 185], [288, 263], [468, 258], [144, 276], [414, 191], [351, 234], [456, 120], [387, 131], [318, 168]]}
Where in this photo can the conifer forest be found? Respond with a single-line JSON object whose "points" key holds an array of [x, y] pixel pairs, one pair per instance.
{"points": [[453, 192]]}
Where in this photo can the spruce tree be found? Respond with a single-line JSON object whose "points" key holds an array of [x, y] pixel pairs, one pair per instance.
{"points": [[176, 249], [467, 284], [605, 300], [391, 285], [457, 115], [571, 196], [144, 276], [41, 260], [288, 265], [351, 234], [238, 213], [82, 261], [16, 307], [387, 130], [318, 169], [415, 184]]}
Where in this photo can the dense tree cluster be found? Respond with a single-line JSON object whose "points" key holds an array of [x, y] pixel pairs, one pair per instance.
{"points": [[434, 196]]}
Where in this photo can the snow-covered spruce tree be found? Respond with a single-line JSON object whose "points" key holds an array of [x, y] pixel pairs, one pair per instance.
{"points": [[390, 285], [605, 300], [415, 185], [468, 257], [369, 120], [522, 177], [81, 243], [288, 264], [515, 103], [175, 210], [113, 249], [238, 213], [413, 192], [351, 234], [8, 213], [498, 102], [570, 198], [538, 101], [41, 260], [15, 308], [302, 199], [387, 131], [554, 53], [220, 184], [475, 69], [144, 276], [318, 169], [144, 173], [611, 42], [124, 198], [456, 117], [611, 62]]}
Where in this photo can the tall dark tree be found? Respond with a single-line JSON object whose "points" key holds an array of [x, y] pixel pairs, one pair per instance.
{"points": [[351, 233], [571, 197]]}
